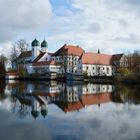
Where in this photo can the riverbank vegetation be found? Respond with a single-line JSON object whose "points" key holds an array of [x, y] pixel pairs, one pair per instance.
{"points": [[124, 75]]}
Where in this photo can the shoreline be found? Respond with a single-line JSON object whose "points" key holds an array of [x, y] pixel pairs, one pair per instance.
{"points": [[101, 80], [126, 80]]}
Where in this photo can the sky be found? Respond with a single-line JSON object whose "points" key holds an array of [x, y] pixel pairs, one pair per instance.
{"points": [[109, 25]]}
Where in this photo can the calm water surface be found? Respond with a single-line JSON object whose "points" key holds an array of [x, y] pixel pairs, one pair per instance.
{"points": [[59, 111]]}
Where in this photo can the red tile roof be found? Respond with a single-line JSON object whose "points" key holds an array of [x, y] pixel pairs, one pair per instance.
{"points": [[42, 63], [73, 107], [69, 50], [85, 100], [69, 107], [96, 98], [94, 58]]}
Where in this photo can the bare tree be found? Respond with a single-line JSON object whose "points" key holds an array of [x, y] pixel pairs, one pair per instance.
{"points": [[3, 61], [18, 47], [22, 45], [14, 53], [136, 53], [17, 51]]}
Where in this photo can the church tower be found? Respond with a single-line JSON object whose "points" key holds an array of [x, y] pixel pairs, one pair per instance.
{"points": [[35, 48], [44, 46]]}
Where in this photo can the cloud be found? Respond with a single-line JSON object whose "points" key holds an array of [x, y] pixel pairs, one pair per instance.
{"points": [[5, 48], [95, 24], [111, 26], [15, 131], [110, 121], [130, 38], [124, 5], [21, 16], [94, 28]]}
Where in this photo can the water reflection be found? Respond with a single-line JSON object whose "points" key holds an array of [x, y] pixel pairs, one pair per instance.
{"points": [[34, 98], [68, 97], [71, 111]]}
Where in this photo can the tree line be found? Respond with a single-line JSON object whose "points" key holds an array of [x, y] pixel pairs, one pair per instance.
{"points": [[17, 48]]}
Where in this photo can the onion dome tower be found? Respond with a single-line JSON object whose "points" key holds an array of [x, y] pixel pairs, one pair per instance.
{"points": [[44, 46], [35, 43], [35, 48]]}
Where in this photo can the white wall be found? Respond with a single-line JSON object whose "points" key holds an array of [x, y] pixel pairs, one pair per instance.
{"points": [[98, 70]]}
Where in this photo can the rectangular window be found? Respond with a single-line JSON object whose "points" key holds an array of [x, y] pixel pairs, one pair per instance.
{"points": [[107, 70]]}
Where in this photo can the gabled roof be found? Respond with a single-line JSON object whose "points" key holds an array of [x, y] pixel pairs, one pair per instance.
{"points": [[94, 58], [25, 54], [69, 50], [42, 63], [50, 53], [41, 54], [117, 57]]}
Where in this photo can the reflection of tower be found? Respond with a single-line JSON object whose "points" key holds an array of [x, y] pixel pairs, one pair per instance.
{"points": [[44, 110], [43, 103], [35, 108]]}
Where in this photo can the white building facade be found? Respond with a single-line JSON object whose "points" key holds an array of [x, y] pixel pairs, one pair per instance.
{"points": [[69, 59]]}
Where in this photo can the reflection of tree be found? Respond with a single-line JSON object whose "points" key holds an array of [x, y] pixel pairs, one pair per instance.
{"points": [[127, 94], [2, 88], [20, 107], [22, 111]]}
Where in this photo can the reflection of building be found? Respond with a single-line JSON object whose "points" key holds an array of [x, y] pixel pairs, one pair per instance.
{"points": [[37, 97], [78, 97], [39, 105], [67, 97]]}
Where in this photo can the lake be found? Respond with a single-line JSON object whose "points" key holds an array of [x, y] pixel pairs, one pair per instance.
{"points": [[68, 111]]}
